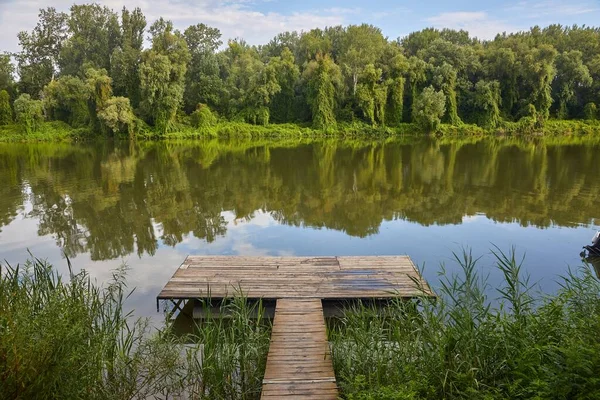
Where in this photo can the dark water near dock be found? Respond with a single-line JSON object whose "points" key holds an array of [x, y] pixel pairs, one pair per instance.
{"points": [[152, 203]]}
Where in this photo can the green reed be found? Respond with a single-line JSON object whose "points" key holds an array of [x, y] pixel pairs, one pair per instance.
{"points": [[73, 340], [465, 344]]}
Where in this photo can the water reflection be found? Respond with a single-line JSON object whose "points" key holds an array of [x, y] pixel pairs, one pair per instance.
{"points": [[111, 200]]}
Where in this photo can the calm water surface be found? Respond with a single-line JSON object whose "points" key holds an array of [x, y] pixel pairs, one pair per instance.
{"points": [[151, 204]]}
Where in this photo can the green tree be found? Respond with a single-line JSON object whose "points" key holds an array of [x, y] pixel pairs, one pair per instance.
{"points": [[372, 95], [95, 33], [571, 74], [7, 71], [429, 109], [162, 75], [5, 110], [499, 64], [202, 83], [311, 44], [126, 58], [250, 84], [416, 76], [322, 77], [37, 62], [444, 78], [487, 100], [539, 72], [118, 117], [287, 74], [361, 45], [28, 113], [100, 90], [66, 99]]}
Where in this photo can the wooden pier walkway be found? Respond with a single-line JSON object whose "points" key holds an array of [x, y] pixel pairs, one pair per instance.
{"points": [[299, 361]]}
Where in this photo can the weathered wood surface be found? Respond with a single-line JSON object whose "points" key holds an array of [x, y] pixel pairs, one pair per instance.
{"points": [[299, 361], [295, 277]]}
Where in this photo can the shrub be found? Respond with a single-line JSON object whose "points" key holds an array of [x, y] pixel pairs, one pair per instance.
{"points": [[203, 117], [5, 110], [429, 108], [118, 116], [28, 113]]}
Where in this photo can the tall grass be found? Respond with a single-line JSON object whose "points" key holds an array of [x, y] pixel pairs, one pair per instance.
{"points": [[467, 344], [73, 340]]}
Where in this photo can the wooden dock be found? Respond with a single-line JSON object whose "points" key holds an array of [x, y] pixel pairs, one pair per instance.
{"points": [[299, 360], [274, 278]]}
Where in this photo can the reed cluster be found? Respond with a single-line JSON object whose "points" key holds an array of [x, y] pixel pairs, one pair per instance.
{"points": [[72, 339], [475, 342]]}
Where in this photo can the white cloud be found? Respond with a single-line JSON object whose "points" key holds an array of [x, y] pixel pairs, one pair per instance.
{"points": [[237, 18], [477, 23]]}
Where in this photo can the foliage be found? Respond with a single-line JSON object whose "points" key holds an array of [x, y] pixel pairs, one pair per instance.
{"points": [[6, 115], [429, 108], [466, 345], [73, 339], [28, 113], [66, 99], [590, 111], [117, 115], [202, 82], [203, 117], [322, 75], [95, 33], [37, 63], [487, 100], [162, 75]]}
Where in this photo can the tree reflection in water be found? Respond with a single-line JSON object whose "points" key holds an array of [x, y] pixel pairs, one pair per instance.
{"points": [[112, 200]]}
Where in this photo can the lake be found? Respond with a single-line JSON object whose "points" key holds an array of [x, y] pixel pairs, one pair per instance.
{"points": [[150, 204]]}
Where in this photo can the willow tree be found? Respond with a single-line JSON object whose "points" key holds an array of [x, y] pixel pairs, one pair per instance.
{"points": [[444, 79], [538, 73], [100, 90], [500, 65], [487, 101], [322, 75], [162, 75], [571, 74], [416, 76], [429, 108], [117, 115], [372, 95], [29, 113], [398, 67]]}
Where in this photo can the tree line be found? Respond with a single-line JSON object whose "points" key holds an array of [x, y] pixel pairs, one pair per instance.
{"points": [[90, 68]]}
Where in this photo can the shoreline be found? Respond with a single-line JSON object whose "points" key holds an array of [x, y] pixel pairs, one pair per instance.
{"points": [[57, 131]]}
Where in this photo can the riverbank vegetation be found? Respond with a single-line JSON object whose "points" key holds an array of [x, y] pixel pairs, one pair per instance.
{"points": [[90, 70], [74, 340], [475, 343]]}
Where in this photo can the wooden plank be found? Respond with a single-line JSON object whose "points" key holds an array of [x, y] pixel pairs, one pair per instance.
{"points": [[299, 361], [295, 277]]}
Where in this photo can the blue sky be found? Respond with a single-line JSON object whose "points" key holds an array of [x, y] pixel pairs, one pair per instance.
{"points": [[259, 20]]}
